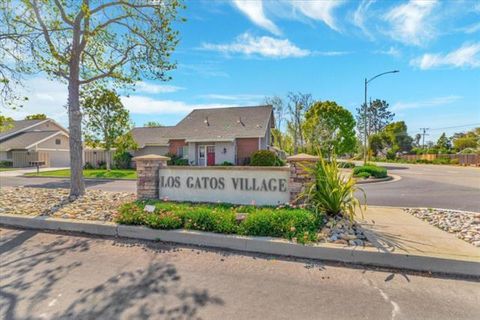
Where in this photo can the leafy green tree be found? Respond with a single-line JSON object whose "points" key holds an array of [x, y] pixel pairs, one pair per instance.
{"points": [[5, 123], [378, 116], [469, 139], [151, 124], [279, 113], [105, 118], [38, 116], [397, 137], [443, 144], [330, 127], [86, 43]]}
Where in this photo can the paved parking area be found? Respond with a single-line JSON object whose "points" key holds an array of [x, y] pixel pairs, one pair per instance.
{"points": [[51, 276]]}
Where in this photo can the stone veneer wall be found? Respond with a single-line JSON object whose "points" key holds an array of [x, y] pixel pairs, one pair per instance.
{"points": [[148, 176], [299, 177]]}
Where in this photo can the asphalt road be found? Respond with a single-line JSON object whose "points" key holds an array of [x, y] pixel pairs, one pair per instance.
{"points": [[51, 276], [421, 186], [428, 186]]}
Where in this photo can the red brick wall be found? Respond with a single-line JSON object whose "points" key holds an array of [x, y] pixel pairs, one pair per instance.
{"points": [[175, 144], [245, 148]]}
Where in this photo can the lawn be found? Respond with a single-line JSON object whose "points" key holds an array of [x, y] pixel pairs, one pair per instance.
{"points": [[7, 169], [91, 173]]}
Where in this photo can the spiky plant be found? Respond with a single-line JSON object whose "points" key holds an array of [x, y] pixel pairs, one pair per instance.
{"points": [[330, 191]]}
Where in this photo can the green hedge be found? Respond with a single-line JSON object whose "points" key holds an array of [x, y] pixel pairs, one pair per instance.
{"points": [[372, 170], [265, 158], [286, 222], [347, 165]]}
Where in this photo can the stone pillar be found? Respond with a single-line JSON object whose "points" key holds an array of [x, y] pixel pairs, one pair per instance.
{"points": [[147, 175], [299, 178]]}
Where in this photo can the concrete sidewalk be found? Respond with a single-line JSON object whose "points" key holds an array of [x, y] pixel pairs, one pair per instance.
{"points": [[395, 231], [21, 171]]}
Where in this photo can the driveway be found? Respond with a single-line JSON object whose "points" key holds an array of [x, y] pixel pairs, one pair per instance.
{"points": [[51, 276], [421, 186]]}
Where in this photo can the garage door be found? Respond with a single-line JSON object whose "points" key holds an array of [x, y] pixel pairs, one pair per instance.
{"points": [[59, 158]]}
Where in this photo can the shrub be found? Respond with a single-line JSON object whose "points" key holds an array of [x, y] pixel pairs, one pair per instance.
{"points": [[176, 160], [226, 164], [286, 223], [347, 165], [441, 161], [6, 164], [363, 175], [455, 161], [122, 160], [102, 165], [265, 158], [163, 220], [208, 219], [372, 170], [330, 191], [88, 166], [131, 213]]}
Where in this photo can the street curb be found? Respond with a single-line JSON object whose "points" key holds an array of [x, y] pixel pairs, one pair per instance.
{"points": [[389, 178], [264, 245], [90, 179]]}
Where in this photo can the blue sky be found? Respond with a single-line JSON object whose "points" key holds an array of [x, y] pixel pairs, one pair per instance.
{"points": [[235, 53]]}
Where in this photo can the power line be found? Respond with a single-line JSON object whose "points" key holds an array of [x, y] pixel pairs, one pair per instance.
{"points": [[453, 127]]}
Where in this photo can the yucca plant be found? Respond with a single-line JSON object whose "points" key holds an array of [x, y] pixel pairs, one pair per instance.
{"points": [[330, 191]]}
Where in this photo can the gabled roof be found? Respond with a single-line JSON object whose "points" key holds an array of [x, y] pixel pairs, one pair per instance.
{"points": [[19, 126], [26, 140], [219, 124], [151, 136], [225, 123]]}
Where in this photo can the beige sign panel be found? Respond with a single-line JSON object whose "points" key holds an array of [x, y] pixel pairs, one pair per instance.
{"points": [[238, 185]]}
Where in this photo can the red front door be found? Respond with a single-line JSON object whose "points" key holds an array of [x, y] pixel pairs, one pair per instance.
{"points": [[210, 155]]}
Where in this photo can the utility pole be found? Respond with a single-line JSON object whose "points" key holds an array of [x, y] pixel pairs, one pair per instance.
{"points": [[424, 133]]}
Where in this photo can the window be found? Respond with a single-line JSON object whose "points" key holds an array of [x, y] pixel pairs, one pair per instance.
{"points": [[185, 152], [58, 141]]}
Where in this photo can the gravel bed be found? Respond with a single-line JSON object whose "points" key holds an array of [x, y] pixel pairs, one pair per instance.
{"points": [[94, 205], [464, 224], [339, 230]]}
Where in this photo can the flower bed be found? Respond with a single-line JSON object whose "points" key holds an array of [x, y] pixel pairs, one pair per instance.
{"points": [[297, 224]]}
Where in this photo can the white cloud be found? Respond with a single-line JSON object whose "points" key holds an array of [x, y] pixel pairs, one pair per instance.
{"points": [[411, 23], [472, 28], [318, 10], [254, 11], [155, 88], [360, 16], [467, 56], [392, 51], [263, 46], [438, 101], [44, 96], [146, 105]]}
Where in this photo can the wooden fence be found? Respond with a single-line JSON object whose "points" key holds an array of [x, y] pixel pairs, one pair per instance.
{"points": [[96, 156], [23, 158], [463, 159]]}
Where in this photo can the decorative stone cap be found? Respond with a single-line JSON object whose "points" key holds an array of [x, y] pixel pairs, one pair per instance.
{"points": [[151, 157], [303, 157]]}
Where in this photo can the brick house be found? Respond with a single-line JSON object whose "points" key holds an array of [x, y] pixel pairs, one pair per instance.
{"points": [[211, 136]]}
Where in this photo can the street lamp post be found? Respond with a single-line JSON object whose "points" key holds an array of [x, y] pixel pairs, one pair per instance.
{"points": [[365, 138]]}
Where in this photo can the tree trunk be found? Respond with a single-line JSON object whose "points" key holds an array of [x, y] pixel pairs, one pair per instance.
{"points": [[107, 158], [77, 186]]}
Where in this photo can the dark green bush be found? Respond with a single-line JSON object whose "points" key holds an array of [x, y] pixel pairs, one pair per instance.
{"points": [[264, 158], [102, 165], [363, 175], [176, 160], [88, 166], [373, 170], [287, 223], [122, 160], [6, 164]]}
